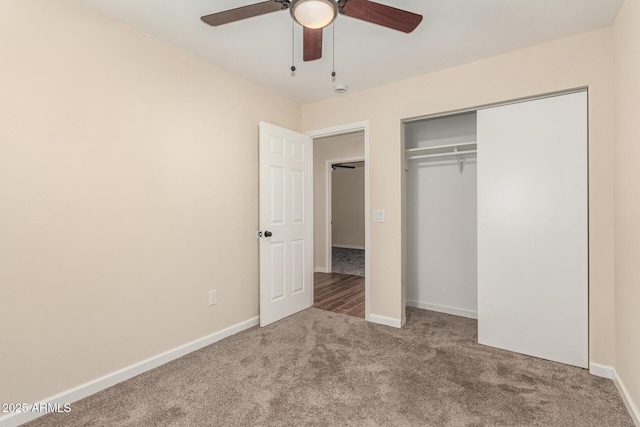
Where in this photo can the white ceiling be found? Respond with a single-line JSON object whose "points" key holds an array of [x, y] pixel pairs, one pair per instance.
{"points": [[452, 32]]}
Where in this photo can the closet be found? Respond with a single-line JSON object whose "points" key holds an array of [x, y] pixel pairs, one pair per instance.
{"points": [[441, 198], [497, 223]]}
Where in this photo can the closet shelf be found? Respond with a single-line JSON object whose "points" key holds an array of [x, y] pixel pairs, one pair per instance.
{"points": [[441, 150], [449, 154], [439, 147], [450, 150]]}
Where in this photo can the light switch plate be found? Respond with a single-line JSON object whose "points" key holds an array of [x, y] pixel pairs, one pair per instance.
{"points": [[378, 215]]}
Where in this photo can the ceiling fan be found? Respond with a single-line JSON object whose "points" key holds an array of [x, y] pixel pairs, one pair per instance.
{"points": [[314, 15], [350, 165]]}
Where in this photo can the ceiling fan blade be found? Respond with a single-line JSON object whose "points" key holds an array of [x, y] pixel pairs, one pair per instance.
{"points": [[243, 12], [312, 40], [381, 14]]}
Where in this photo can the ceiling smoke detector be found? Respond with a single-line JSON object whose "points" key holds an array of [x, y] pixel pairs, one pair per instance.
{"points": [[340, 88]]}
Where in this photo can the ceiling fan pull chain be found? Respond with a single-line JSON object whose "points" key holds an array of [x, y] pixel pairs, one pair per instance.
{"points": [[293, 48], [333, 51]]}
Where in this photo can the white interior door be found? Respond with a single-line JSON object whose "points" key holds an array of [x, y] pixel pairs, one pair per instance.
{"points": [[286, 223], [532, 228]]}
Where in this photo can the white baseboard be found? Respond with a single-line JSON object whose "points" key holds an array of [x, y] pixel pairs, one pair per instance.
{"points": [[383, 320], [626, 398], [348, 247], [99, 384], [443, 309], [320, 270], [599, 370]]}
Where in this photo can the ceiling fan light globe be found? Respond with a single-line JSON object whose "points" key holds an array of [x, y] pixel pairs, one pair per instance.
{"points": [[314, 13]]}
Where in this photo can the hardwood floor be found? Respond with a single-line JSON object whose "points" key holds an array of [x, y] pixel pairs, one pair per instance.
{"points": [[339, 293]]}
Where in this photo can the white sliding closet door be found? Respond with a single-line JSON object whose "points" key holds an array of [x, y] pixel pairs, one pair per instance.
{"points": [[532, 228]]}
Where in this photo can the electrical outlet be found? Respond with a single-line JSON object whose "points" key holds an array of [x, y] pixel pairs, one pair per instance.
{"points": [[378, 216], [213, 297]]}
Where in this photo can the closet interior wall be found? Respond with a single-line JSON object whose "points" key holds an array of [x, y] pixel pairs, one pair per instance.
{"points": [[442, 214]]}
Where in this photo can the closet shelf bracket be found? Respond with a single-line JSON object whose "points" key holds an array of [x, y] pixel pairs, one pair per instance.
{"points": [[459, 159]]}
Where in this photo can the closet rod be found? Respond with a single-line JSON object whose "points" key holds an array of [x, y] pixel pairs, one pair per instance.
{"points": [[454, 153]]}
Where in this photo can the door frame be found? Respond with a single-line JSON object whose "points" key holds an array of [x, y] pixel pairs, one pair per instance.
{"points": [[329, 205], [362, 126]]}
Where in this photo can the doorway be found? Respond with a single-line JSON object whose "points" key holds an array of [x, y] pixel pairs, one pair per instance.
{"points": [[346, 214], [340, 222]]}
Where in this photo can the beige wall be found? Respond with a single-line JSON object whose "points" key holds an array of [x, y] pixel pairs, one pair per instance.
{"points": [[626, 37], [347, 146], [582, 60], [347, 206], [128, 189]]}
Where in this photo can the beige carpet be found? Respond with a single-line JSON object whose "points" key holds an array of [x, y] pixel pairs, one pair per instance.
{"points": [[320, 368]]}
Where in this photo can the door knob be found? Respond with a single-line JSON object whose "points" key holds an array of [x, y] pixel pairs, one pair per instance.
{"points": [[268, 234]]}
